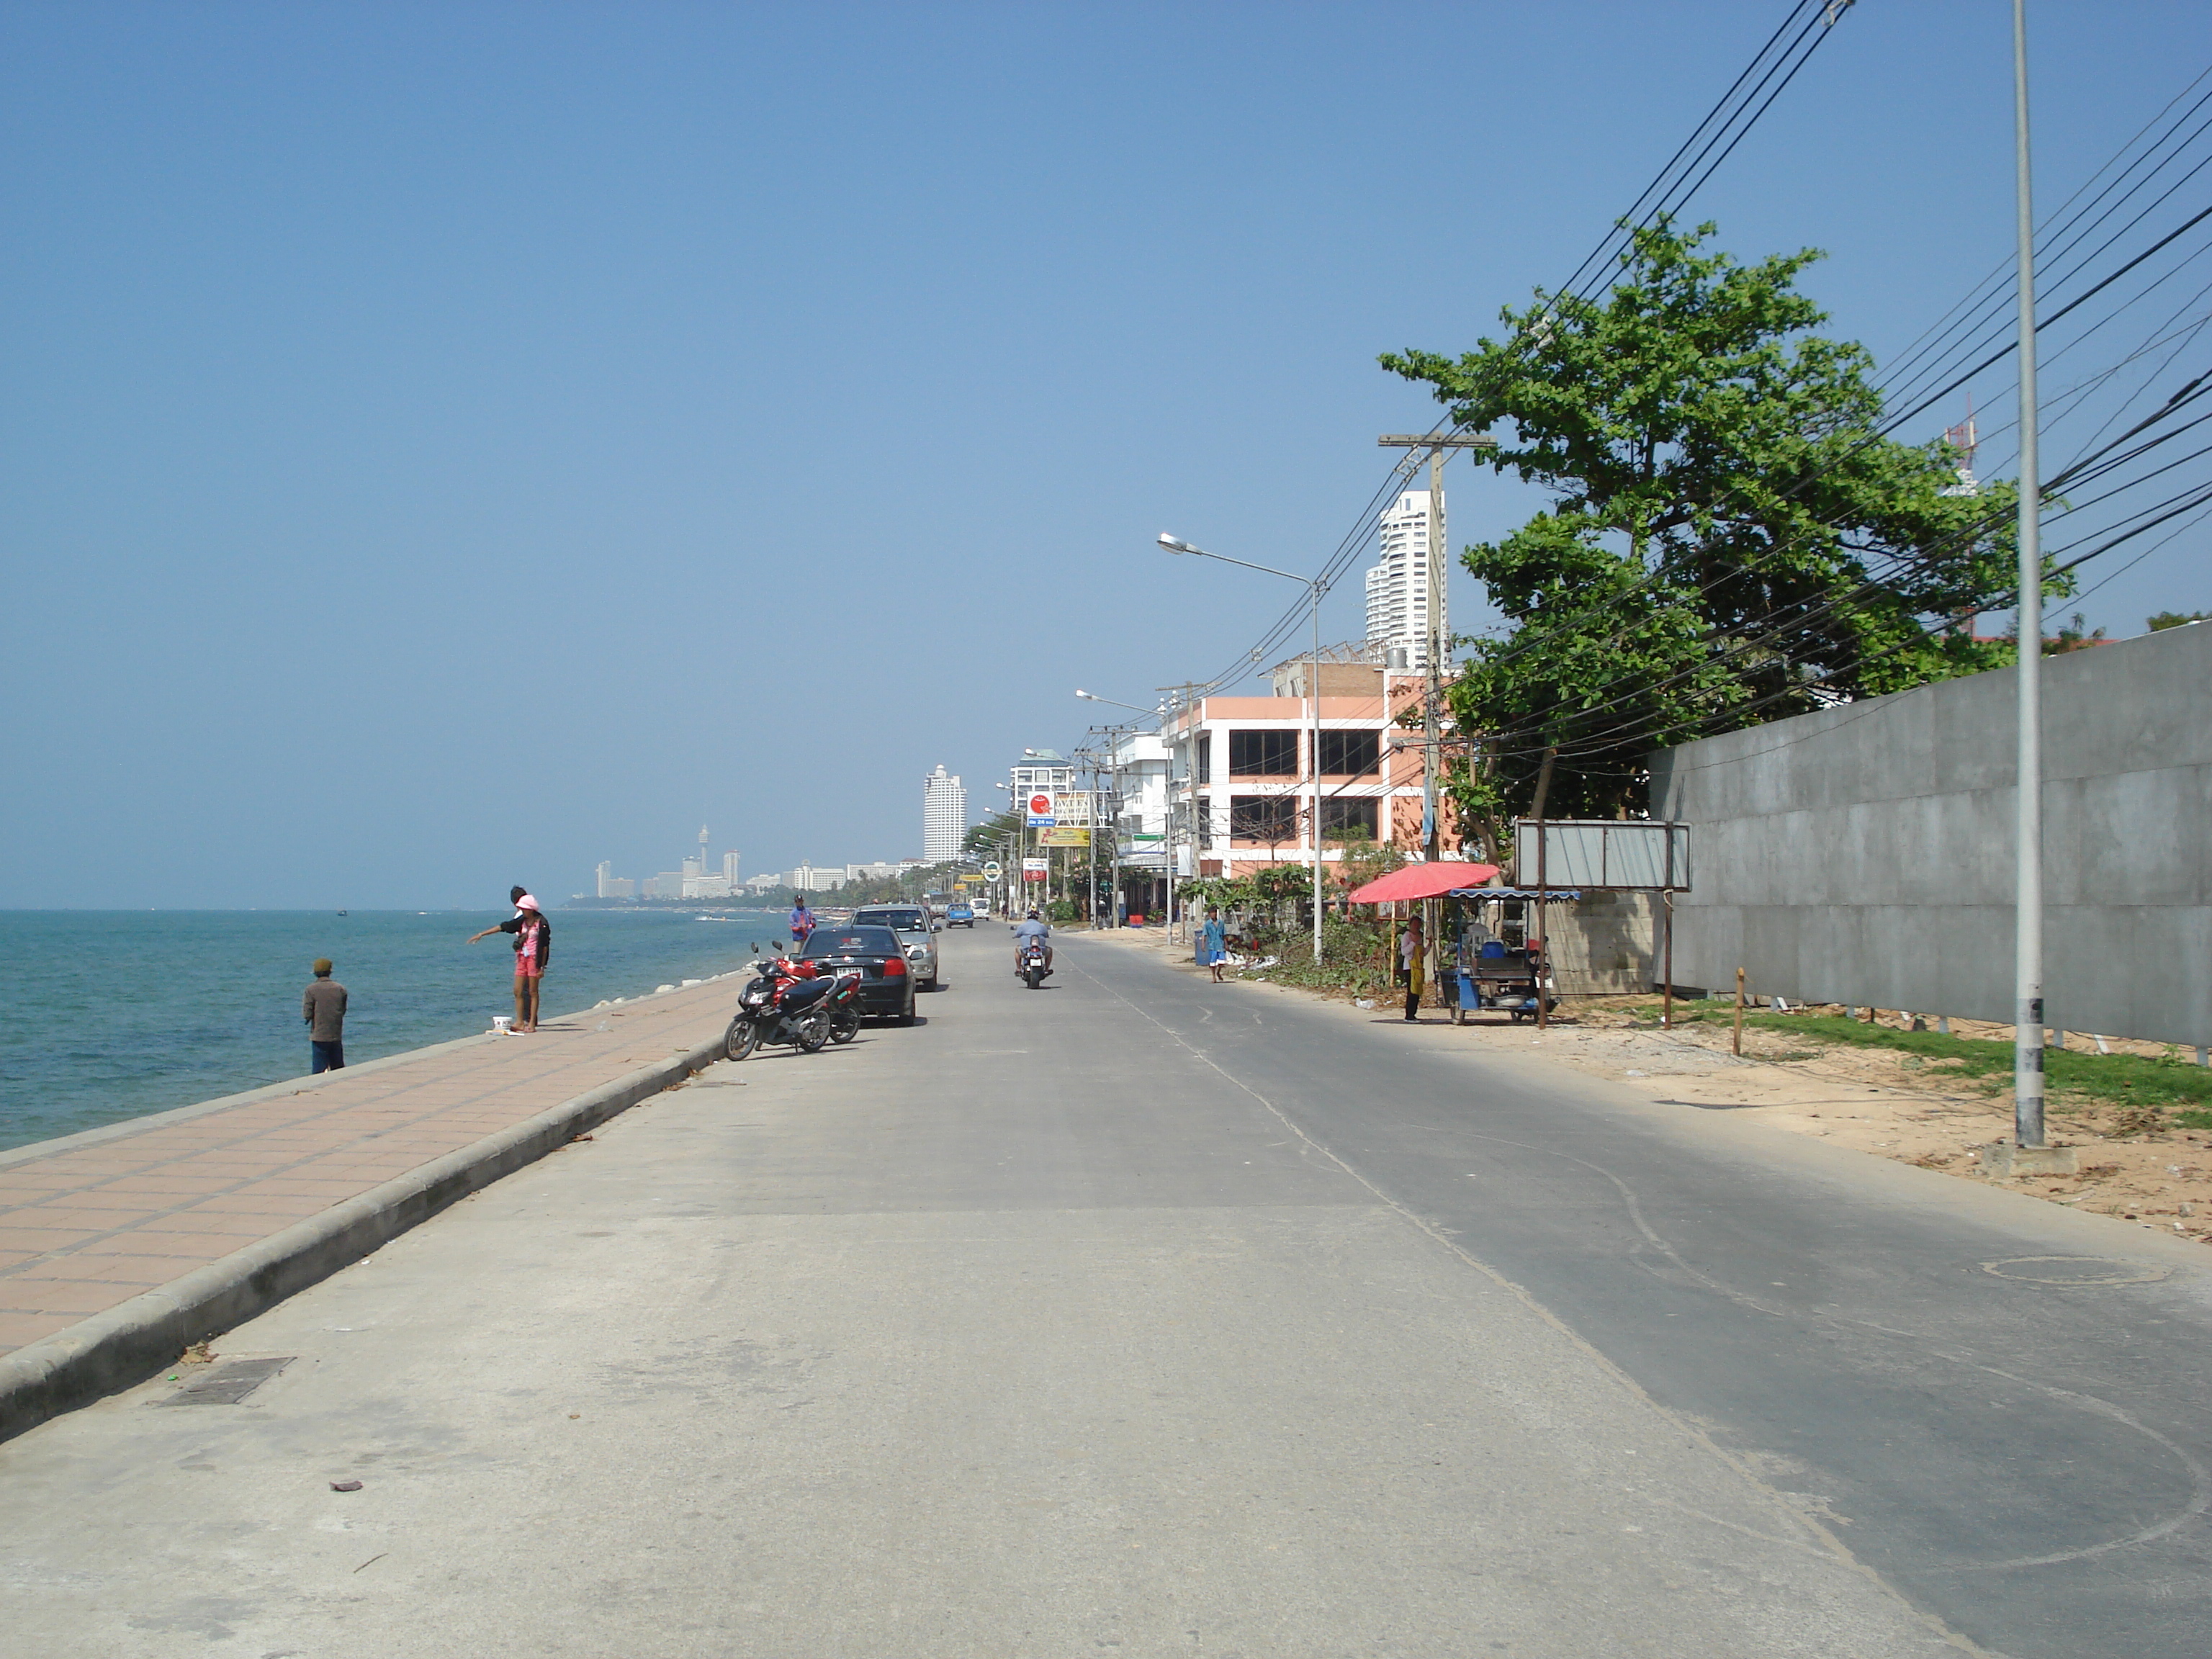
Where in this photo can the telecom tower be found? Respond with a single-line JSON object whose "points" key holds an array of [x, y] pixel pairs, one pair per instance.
{"points": [[1966, 439]]}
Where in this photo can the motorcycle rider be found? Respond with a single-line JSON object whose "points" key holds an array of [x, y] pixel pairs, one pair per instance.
{"points": [[1032, 928]]}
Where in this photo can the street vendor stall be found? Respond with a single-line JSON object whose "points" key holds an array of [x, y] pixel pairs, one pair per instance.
{"points": [[1424, 885], [1492, 976]]}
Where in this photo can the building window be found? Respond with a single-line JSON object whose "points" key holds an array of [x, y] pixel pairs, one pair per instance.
{"points": [[1349, 753], [1263, 817], [1204, 744], [1263, 754], [1203, 826], [1348, 818]]}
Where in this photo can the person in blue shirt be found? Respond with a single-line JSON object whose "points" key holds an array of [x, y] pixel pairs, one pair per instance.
{"points": [[802, 922], [1031, 926], [1212, 942]]}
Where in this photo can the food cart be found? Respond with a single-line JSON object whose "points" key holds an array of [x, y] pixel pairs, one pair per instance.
{"points": [[1493, 978]]}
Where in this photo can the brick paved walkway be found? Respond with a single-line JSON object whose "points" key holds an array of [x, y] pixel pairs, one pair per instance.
{"points": [[85, 1227]]}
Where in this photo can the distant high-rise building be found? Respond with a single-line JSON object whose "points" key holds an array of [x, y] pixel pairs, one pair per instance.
{"points": [[1398, 588], [730, 870], [606, 875], [943, 817]]}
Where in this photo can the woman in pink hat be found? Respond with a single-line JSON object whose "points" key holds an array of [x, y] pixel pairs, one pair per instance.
{"points": [[533, 949]]}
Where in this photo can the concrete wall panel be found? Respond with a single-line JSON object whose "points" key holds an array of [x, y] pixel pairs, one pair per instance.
{"points": [[1864, 854]]}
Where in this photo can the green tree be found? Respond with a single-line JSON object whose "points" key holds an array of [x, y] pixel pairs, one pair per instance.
{"points": [[1730, 539], [2165, 619], [982, 840]]}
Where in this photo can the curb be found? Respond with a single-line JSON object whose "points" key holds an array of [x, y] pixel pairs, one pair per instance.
{"points": [[125, 1345]]}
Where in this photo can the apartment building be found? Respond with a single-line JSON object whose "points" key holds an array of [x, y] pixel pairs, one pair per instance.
{"points": [[1398, 587], [1243, 768]]}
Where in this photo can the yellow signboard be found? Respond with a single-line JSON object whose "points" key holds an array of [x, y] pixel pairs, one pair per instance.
{"points": [[1063, 836]]}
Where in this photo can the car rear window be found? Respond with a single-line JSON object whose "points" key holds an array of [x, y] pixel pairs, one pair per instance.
{"points": [[853, 942], [910, 920]]}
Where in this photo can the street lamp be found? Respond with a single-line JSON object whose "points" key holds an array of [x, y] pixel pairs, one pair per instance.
{"points": [[1314, 590]]}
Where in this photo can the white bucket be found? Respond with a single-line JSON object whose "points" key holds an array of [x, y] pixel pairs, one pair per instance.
{"points": [[502, 1024]]}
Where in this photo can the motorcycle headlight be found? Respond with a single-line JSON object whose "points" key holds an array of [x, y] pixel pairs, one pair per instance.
{"points": [[754, 999]]}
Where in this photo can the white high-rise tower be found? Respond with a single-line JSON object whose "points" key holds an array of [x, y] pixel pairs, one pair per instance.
{"points": [[943, 817], [1398, 588]]}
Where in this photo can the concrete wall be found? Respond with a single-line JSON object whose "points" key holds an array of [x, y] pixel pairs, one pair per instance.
{"points": [[1601, 943], [1864, 855]]}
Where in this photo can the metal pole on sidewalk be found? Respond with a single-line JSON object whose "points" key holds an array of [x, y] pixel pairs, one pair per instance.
{"points": [[2027, 898], [1314, 737]]}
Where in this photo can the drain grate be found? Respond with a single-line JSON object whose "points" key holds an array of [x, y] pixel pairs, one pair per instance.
{"points": [[2074, 1270], [226, 1382]]}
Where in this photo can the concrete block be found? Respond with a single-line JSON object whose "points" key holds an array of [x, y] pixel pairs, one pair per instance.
{"points": [[2003, 1161]]}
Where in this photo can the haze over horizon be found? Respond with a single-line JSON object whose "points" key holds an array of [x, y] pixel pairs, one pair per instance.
{"points": [[455, 445]]}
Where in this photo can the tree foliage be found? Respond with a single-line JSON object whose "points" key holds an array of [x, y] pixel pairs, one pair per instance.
{"points": [[1730, 540]]}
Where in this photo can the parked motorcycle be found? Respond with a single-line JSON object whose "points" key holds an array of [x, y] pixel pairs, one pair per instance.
{"points": [[785, 1002], [844, 1004], [1031, 964]]}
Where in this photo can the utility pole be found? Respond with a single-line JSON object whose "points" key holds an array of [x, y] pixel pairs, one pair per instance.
{"points": [[2027, 894], [1431, 827], [1437, 447]]}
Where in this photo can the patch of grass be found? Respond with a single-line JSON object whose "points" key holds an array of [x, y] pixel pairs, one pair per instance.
{"points": [[2131, 1080]]}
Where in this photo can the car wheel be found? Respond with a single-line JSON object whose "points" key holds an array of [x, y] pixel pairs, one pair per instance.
{"points": [[906, 1016]]}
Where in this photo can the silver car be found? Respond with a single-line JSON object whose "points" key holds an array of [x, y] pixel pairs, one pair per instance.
{"points": [[917, 936]]}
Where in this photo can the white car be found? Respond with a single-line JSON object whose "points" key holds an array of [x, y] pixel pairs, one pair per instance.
{"points": [[917, 936]]}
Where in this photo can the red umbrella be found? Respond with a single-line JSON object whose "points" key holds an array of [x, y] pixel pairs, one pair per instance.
{"points": [[1423, 881]]}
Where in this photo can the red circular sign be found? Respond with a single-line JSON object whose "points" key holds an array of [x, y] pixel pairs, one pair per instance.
{"points": [[1040, 807]]}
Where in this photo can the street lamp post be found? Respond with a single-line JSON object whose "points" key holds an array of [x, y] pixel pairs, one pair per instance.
{"points": [[1314, 590]]}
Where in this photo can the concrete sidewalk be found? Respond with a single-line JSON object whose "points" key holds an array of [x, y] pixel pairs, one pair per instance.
{"points": [[121, 1245]]}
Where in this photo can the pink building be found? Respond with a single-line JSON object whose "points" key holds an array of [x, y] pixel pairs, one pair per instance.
{"points": [[1243, 772]]}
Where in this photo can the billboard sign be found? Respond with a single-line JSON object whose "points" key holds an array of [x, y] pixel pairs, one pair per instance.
{"points": [[1065, 835], [1039, 815], [1603, 852]]}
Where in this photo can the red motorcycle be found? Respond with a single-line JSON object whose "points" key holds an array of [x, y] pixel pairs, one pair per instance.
{"points": [[790, 1002]]}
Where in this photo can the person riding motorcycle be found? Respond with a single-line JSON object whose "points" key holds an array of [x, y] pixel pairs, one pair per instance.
{"points": [[1030, 927]]}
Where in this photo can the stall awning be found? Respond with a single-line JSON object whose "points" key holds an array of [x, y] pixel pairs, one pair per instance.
{"points": [[1423, 881], [1545, 893]]}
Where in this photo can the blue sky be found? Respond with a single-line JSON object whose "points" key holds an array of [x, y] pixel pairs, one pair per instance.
{"points": [[455, 444]]}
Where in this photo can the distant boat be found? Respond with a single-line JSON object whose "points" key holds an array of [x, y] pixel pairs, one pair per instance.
{"points": [[341, 913]]}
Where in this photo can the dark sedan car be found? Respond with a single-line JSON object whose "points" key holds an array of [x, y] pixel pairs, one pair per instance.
{"points": [[886, 986]]}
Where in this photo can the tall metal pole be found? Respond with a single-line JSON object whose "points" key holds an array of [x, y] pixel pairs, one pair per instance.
{"points": [[2027, 898], [1314, 737], [1432, 752], [1166, 828]]}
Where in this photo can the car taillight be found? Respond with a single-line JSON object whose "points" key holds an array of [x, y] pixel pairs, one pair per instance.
{"points": [[894, 967]]}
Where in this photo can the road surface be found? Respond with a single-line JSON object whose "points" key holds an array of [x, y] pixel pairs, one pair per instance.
{"points": [[1143, 1316]]}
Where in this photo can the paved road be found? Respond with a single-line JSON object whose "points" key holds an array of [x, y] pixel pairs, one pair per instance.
{"points": [[1139, 1314]]}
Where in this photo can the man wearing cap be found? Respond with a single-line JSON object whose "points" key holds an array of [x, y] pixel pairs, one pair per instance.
{"points": [[323, 1006]]}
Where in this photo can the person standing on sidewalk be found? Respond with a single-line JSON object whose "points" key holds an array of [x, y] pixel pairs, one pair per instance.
{"points": [[802, 922], [1212, 942], [526, 913], [323, 1006], [1412, 949], [533, 947]]}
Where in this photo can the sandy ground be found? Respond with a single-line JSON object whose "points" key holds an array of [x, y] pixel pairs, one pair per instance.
{"points": [[1882, 1102]]}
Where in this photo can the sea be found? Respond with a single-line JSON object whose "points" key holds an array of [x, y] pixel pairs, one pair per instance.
{"points": [[109, 1015]]}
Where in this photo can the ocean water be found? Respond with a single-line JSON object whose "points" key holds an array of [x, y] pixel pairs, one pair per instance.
{"points": [[106, 1015]]}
